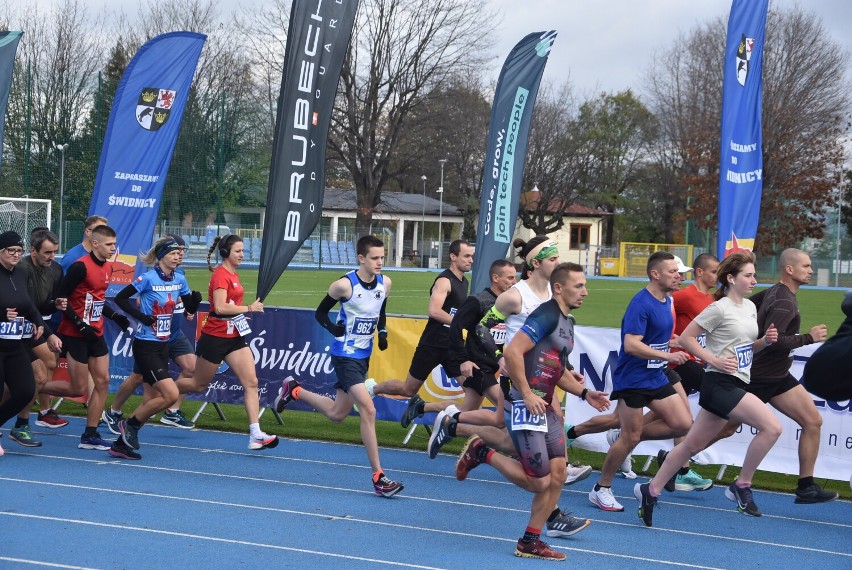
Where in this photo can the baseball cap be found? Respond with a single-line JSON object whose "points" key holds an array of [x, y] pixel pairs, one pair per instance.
{"points": [[681, 268]]}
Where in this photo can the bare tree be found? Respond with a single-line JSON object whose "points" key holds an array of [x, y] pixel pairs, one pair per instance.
{"points": [[401, 50]]}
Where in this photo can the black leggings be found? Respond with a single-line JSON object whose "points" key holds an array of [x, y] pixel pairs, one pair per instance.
{"points": [[16, 373]]}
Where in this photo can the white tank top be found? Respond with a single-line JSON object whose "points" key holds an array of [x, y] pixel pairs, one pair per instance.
{"points": [[529, 303]]}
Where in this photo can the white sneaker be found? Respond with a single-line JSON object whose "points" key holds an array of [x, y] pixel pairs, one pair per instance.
{"points": [[577, 473], [370, 383], [452, 410], [604, 500], [701, 458], [626, 468], [265, 441]]}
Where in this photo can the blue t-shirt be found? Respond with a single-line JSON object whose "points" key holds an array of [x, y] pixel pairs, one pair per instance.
{"points": [[159, 298], [652, 319], [71, 256]]}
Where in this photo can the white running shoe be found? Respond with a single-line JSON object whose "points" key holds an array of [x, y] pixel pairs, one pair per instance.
{"points": [[604, 500], [370, 383], [626, 469], [701, 458], [265, 441], [577, 473]]}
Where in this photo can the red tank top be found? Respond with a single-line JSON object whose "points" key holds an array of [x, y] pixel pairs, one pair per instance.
{"points": [[88, 298]]}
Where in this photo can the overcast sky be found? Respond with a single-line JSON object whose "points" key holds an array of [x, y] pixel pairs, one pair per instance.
{"points": [[602, 45]]}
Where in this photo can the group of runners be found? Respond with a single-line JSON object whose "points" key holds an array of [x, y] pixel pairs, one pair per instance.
{"points": [[519, 335]]}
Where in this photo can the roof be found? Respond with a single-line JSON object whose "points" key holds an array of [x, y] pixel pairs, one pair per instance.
{"points": [[529, 201], [391, 203]]}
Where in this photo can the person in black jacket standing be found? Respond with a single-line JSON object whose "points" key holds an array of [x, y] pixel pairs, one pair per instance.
{"points": [[16, 309]]}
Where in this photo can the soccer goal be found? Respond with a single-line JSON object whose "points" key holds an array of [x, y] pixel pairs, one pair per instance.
{"points": [[24, 214], [634, 256]]}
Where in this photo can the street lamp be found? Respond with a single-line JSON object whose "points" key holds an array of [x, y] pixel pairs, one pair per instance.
{"points": [[441, 216], [423, 219], [61, 148]]}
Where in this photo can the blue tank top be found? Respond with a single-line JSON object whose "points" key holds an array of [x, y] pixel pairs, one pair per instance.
{"points": [[360, 316]]}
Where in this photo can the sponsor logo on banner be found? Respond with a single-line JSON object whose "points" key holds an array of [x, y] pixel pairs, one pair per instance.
{"points": [[743, 56], [154, 107]]}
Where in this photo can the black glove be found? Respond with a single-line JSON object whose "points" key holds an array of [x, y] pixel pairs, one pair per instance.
{"points": [[88, 332], [122, 320], [383, 340], [191, 306], [147, 320], [337, 330]]}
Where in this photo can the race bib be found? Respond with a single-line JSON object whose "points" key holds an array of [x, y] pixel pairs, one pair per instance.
{"points": [[29, 330], [453, 312], [163, 326], [498, 333], [522, 419], [12, 330], [364, 326], [745, 353], [702, 340], [97, 311], [664, 346], [242, 325]]}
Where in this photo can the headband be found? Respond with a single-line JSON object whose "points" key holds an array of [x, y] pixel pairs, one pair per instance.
{"points": [[542, 251], [166, 247]]}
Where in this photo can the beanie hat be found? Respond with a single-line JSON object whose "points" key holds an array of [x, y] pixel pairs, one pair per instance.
{"points": [[10, 239]]}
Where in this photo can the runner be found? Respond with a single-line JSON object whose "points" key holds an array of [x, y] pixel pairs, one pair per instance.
{"points": [[730, 324], [159, 291], [826, 371], [362, 295], [223, 336], [538, 361]]}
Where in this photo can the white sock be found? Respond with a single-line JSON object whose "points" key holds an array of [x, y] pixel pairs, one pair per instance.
{"points": [[254, 431]]}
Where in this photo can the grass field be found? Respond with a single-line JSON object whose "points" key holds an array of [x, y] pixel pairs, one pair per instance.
{"points": [[604, 306]]}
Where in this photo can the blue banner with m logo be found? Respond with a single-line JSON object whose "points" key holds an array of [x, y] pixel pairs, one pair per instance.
{"points": [[741, 157], [511, 117], [140, 139]]}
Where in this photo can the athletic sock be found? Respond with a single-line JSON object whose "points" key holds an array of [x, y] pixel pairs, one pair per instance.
{"points": [[114, 411], [485, 454], [806, 482], [598, 486], [531, 535], [297, 391], [456, 416], [740, 485], [378, 475], [90, 431], [20, 422], [420, 408], [173, 410], [683, 471], [451, 429], [43, 412], [133, 422], [572, 433], [254, 431], [556, 512]]}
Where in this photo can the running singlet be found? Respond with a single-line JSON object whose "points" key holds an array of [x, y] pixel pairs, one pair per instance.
{"points": [[221, 326], [159, 298], [437, 333], [88, 297], [688, 304], [651, 319], [360, 316], [553, 335], [529, 303]]}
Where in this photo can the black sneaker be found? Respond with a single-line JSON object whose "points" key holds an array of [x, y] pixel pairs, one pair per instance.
{"points": [[670, 484], [744, 499], [129, 434], [123, 451], [411, 410], [647, 502], [814, 494], [440, 433], [285, 394], [386, 487], [566, 525]]}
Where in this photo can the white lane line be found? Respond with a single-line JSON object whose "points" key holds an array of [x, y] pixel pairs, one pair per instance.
{"points": [[347, 518], [125, 528], [43, 564]]}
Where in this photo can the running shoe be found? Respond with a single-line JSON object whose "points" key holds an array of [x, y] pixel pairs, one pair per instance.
{"points": [[123, 451], [50, 419], [537, 549], [692, 481], [576, 472], [176, 419], [814, 494], [469, 456], [700, 458], [566, 525], [24, 436], [370, 384], [129, 434], [265, 441], [411, 410], [626, 468], [386, 487], [285, 396], [440, 433], [744, 499], [671, 483], [568, 440], [95, 442], [111, 420], [605, 500], [642, 492]]}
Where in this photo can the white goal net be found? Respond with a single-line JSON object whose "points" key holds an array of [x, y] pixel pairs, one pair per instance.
{"points": [[24, 214]]}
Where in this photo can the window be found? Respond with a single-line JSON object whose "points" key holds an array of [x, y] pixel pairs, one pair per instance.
{"points": [[580, 236]]}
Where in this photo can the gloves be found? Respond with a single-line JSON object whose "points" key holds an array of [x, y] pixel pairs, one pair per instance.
{"points": [[337, 330], [147, 320], [383, 339], [122, 320], [194, 300], [88, 332]]}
